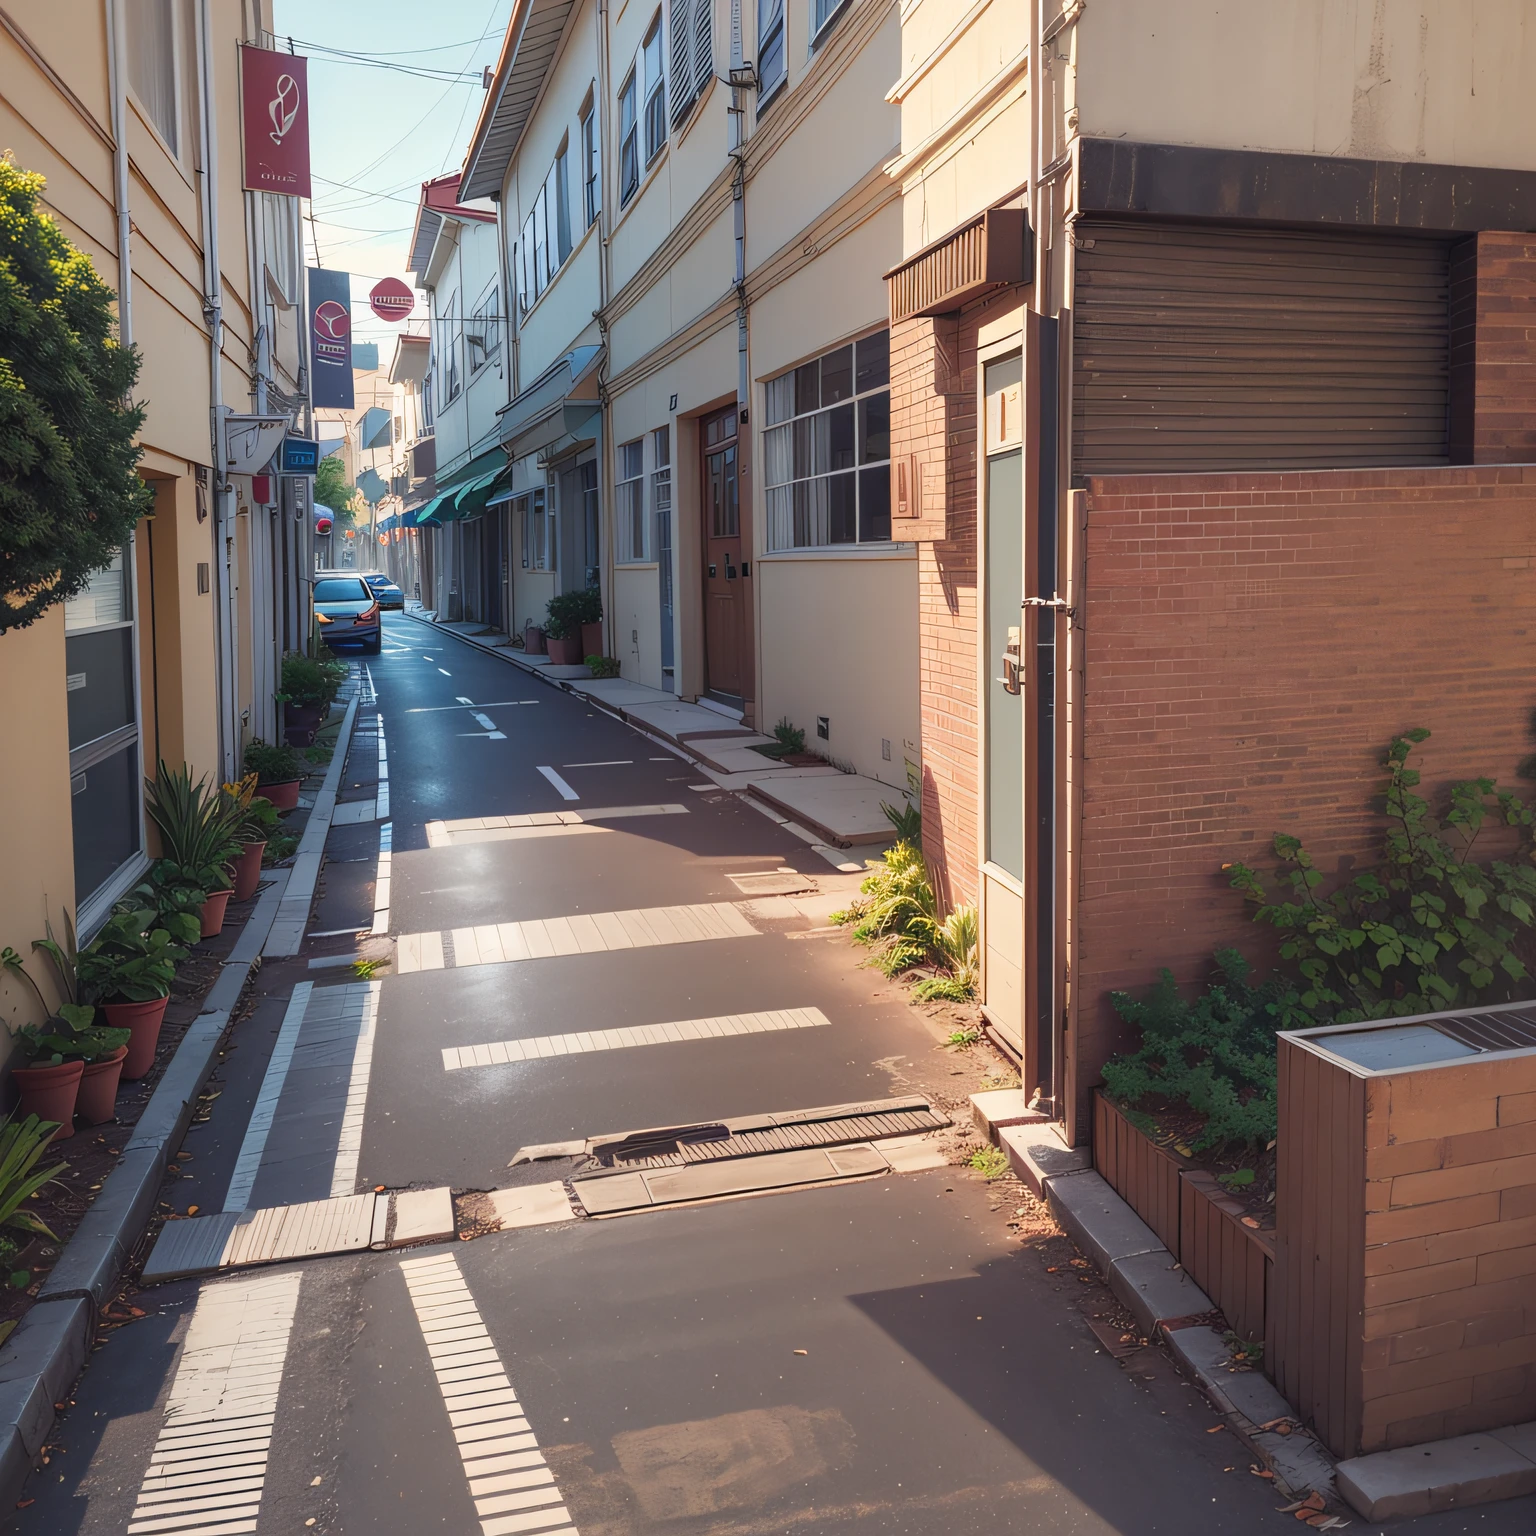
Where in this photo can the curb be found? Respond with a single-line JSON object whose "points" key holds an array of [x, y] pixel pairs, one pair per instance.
{"points": [[1148, 1281], [48, 1348]]}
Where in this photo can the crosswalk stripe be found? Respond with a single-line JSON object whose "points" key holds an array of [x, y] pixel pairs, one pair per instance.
{"points": [[208, 1468], [581, 934], [513, 1488], [501, 1052]]}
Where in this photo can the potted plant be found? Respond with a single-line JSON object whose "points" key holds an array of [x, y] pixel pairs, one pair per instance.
{"points": [[308, 686], [590, 613], [257, 820], [22, 1144], [56, 1051], [533, 639], [574, 619], [130, 965], [279, 771]]}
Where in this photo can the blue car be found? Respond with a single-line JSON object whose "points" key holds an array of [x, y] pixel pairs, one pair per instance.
{"points": [[389, 595]]}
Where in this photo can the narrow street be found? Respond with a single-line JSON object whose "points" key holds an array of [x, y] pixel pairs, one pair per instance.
{"points": [[876, 1356]]}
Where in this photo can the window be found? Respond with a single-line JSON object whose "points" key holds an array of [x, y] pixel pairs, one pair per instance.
{"points": [[770, 47], [559, 192], [545, 241], [827, 449], [655, 92], [629, 528], [483, 334], [591, 186], [448, 331], [661, 508], [152, 63], [693, 52], [823, 14], [629, 142], [538, 546]]}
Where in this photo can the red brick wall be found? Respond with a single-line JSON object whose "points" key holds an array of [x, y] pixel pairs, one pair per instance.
{"points": [[1504, 420], [1252, 643], [1449, 1342]]}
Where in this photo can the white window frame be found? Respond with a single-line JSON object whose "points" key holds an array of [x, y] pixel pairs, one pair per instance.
{"points": [[591, 169], [771, 31], [448, 329], [631, 533], [539, 545], [629, 138], [650, 63]]}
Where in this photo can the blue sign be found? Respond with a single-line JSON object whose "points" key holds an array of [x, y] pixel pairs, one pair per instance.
{"points": [[300, 456]]}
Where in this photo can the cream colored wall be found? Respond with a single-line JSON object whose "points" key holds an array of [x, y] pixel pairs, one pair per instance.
{"points": [[634, 623], [840, 639], [36, 848], [1444, 81]]}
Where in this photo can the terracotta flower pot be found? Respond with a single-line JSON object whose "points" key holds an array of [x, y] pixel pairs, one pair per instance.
{"points": [[50, 1094], [566, 652], [212, 913], [98, 1088], [143, 1020], [248, 871], [533, 640], [284, 795], [591, 640], [304, 716]]}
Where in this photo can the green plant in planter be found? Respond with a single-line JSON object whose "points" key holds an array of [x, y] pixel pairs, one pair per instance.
{"points": [[196, 823], [273, 764], [603, 666], [791, 738], [254, 816], [69, 1032], [177, 894], [132, 959], [22, 1144], [568, 611], [308, 681]]}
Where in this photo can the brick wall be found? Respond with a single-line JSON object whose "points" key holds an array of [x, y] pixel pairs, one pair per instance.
{"points": [[933, 415], [1504, 365], [1252, 643], [1450, 1253]]}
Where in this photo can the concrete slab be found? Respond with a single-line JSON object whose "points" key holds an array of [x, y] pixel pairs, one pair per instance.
{"points": [[1155, 1289], [618, 691], [1099, 1221], [913, 1154], [1446, 1474], [1002, 1107], [680, 722], [423, 1216], [844, 809], [532, 1205], [735, 756], [1519, 1437], [1039, 1155]]}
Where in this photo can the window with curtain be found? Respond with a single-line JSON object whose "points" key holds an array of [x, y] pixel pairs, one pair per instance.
{"points": [[771, 56], [629, 524], [629, 141], [655, 91], [152, 64], [827, 448], [591, 184]]}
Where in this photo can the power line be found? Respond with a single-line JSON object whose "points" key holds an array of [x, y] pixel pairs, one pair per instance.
{"points": [[387, 53]]}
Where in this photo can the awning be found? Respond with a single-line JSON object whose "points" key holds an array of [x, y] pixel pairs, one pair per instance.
{"points": [[560, 404], [464, 493]]}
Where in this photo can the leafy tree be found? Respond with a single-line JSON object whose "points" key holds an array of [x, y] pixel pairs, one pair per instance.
{"points": [[69, 493], [331, 488]]}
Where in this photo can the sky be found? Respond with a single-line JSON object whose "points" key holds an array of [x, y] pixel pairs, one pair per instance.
{"points": [[384, 121]]}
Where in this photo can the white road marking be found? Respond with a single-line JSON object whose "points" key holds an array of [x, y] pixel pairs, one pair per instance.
{"points": [[617, 762], [490, 829], [566, 792], [500, 1052], [583, 933], [361, 1000], [382, 879], [255, 1143], [381, 801], [445, 671], [462, 700], [484, 720], [438, 709], [209, 1466], [506, 1471]]}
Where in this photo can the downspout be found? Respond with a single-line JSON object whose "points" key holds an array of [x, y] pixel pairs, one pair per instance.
{"points": [[600, 314], [213, 313], [740, 78]]}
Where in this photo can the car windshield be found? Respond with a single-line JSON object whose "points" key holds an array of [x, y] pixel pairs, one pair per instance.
{"points": [[341, 589]]}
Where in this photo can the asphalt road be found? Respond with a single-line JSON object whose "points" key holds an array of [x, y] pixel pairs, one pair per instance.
{"points": [[875, 1356]]}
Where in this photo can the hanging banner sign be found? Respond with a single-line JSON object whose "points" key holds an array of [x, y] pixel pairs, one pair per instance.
{"points": [[274, 111], [330, 339], [390, 299]]}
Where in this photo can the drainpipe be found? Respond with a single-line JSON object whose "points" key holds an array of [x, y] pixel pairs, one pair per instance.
{"points": [[607, 469], [223, 495]]}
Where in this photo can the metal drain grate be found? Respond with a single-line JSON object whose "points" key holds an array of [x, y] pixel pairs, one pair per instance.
{"points": [[752, 1135]]}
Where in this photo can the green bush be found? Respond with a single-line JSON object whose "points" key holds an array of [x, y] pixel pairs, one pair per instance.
{"points": [[132, 959], [568, 611], [197, 822], [603, 666], [273, 764], [1215, 1054], [308, 682], [791, 738]]}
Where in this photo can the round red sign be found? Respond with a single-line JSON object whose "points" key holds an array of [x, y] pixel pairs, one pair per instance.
{"points": [[390, 299]]}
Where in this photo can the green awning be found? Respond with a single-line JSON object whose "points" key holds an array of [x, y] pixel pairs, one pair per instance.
{"points": [[428, 512], [464, 495]]}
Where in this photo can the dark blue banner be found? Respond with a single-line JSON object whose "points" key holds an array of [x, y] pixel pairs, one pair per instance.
{"points": [[330, 339]]}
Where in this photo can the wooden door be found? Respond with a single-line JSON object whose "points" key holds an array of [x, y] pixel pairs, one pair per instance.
{"points": [[724, 607]]}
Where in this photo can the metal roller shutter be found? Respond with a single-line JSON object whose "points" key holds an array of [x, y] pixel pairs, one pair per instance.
{"points": [[1204, 348]]}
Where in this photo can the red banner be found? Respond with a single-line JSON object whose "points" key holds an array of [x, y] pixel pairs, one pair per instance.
{"points": [[274, 105]]}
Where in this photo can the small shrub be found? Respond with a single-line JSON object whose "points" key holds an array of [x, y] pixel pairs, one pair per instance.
{"points": [[791, 738], [942, 989], [907, 819], [990, 1162], [273, 764], [308, 681], [959, 1037], [603, 666], [568, 611]]}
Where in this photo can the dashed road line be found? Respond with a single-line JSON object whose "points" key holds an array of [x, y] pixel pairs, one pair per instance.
{"points": [[361, 1001], [512, 1485], [582, 933], [566, 792], [445, 671], [615, 762], [440, 709], [209, 1466], [381, 881], [502, 1052], [381, 798], [248, 1163]]}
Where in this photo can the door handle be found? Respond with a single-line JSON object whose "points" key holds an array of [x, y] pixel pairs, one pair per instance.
{"points": [[1013, 664], [711, 570]]}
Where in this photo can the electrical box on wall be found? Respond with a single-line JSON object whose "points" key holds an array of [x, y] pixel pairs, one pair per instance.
{"points": [[824, 727]]}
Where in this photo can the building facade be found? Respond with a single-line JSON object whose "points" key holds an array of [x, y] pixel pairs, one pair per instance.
{"points": [[132, 115]]}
